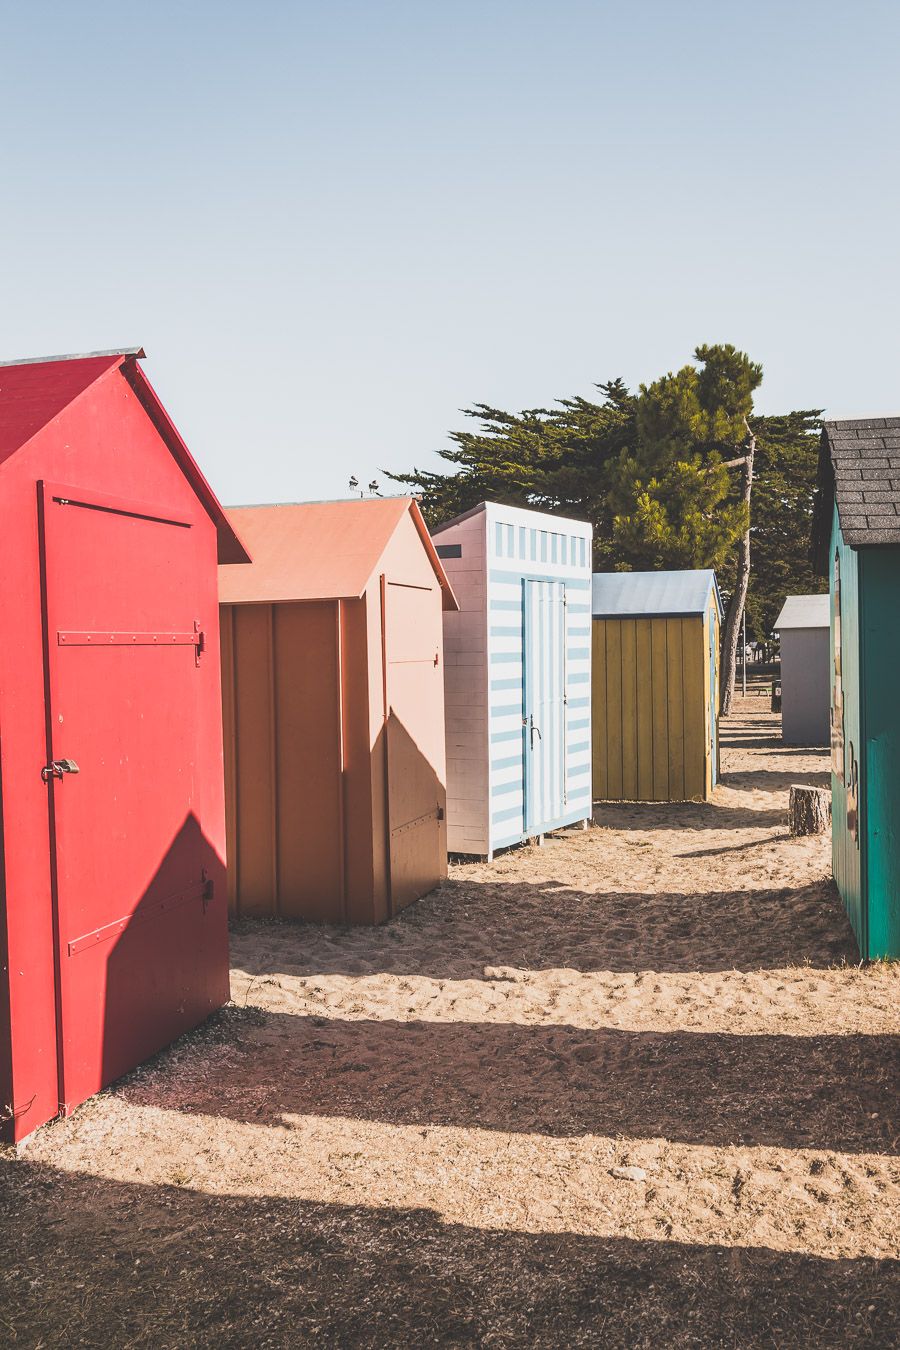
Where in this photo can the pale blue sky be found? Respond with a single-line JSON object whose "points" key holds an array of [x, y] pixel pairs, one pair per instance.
{"points": [[334, 224]]}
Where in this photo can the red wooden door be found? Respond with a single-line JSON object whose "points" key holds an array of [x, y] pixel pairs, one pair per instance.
{"points": [[139, 904]]}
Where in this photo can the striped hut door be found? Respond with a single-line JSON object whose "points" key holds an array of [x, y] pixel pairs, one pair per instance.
{"points": [[545, 716]]}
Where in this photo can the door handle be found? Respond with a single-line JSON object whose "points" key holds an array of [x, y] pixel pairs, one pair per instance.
{"points": [[533, 729], [58, 768]]}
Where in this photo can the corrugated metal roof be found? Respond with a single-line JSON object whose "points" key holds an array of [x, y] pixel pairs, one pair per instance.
{"points": [[638, 594], [318, 550], [35, 391], [805, 611]]}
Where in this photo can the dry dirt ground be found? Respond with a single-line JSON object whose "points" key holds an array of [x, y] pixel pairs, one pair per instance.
{"points": [[628, 1089]]}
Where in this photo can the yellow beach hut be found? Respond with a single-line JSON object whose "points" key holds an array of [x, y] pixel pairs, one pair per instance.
{"points": [[655, 685]]}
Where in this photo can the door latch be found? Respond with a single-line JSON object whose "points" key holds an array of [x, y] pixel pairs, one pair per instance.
{"points": [[58, 768]]}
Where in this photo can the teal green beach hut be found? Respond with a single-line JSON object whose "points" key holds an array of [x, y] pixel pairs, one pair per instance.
{"points": [[856, 536]]}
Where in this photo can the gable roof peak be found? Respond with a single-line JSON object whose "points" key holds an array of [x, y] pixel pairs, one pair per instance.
{"points": [[326, 550], [34, 391]]}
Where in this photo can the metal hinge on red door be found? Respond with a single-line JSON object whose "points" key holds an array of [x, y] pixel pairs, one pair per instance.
{"points": [[127, 638]]}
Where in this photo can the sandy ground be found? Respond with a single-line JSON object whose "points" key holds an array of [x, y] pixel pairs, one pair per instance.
{"points": [[628, 1089]]}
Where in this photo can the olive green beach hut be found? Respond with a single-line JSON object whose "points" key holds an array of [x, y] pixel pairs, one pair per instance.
{"points": [[655, 685], [856, 535]]}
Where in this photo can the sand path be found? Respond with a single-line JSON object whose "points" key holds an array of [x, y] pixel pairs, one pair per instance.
{"points": [[629, 1088]]}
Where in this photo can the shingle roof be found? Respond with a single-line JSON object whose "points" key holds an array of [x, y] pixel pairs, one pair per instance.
{"points": [[620, 595], [859, 468], [805, 611]]}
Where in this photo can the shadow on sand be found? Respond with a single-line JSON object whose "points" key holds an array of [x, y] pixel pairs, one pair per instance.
{"points": [[699, 816], [466, 926], [719, 1089], [773, 780], [99, 1263]]}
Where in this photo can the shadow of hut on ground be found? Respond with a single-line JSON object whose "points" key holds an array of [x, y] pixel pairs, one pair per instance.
{"points": [[99, 1262], [773, 780], [466, 926], [656, 816], [817, 1092]]}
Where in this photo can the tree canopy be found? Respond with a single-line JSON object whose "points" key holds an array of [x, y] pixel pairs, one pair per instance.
{"points": [[649, 470]]}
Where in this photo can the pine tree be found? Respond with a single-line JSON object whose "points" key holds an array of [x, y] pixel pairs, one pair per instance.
{"points": [[787, 453], [654, 472], [550, 459]]}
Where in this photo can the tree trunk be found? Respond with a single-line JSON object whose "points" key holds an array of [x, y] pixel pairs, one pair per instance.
{"points": [[809, 810], [738, 600]]}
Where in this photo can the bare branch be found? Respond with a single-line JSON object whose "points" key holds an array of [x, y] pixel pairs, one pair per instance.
{"points": [[732, 463]]}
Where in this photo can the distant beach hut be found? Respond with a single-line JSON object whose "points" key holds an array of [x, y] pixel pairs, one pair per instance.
{"points": [[332, 674], [804, 629], [517, 676], [856, 533], [655, 685]]}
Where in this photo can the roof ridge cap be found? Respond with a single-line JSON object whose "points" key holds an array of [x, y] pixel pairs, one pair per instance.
{"points": [[137, 352]]}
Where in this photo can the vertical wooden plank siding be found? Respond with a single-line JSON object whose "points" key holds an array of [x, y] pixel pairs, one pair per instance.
{"points": [[651, 708], [341, 758], [716, 689], [273, 755], [707, 710], [254, 712], [694, 667], [282, 735], [599, 711], [614, 711], [307, 762], [629, 709], [226, 643], [659, 660], [675, 708], [366, 900], [644, 729]]}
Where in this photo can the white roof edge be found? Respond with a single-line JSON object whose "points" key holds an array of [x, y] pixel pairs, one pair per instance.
{"points": [[520, 515], [804, 611], [73, 356]]}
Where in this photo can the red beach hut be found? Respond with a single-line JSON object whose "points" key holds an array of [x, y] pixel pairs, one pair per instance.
{"points": [[113, 924]]}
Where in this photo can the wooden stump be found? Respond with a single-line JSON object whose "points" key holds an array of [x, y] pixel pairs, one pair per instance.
{"points": [[809, 810]]}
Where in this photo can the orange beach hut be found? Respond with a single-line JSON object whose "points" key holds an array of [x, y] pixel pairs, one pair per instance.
{"points": [[333, 696]]}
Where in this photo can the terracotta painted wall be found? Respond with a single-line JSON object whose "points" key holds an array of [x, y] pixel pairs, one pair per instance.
{"points": [[282, 713], [407, 702]]}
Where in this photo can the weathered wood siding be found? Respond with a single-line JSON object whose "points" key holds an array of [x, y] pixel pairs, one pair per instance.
{"points": [[282, 713], [652, 696]]}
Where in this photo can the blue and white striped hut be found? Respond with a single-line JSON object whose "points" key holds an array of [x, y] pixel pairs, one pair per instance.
{"points": [[517, 683]]}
